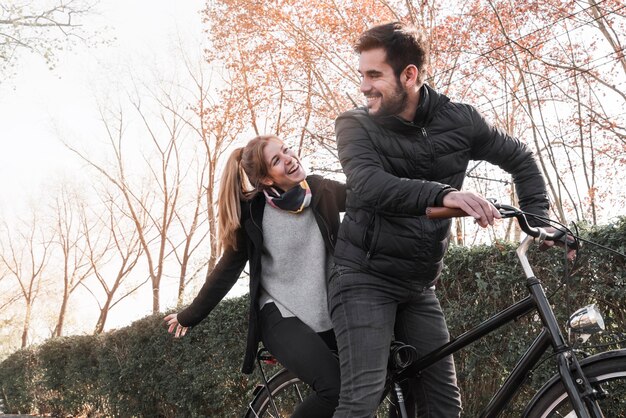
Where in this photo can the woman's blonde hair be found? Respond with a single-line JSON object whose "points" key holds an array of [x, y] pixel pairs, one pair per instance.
{"points": [[242, 179]]}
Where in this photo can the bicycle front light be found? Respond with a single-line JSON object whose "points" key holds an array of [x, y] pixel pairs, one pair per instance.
{"points": [[586, 321]]}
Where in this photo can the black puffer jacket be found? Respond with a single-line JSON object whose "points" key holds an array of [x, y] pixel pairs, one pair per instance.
{"points": [[328, 200], [396, 169]]}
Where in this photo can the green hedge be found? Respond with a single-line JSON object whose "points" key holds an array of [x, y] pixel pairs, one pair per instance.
{"points": [[141, 371], [137, 371]]}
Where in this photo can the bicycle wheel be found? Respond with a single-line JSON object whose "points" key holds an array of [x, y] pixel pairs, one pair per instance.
{"points": [[287, 391], [388, 407], [607, 376]]}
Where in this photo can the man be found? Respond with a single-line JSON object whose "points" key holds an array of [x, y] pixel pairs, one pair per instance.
{"points": [[408, 149]]}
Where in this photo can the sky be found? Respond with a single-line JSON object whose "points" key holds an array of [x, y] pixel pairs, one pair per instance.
{"points": [[39, 106]]}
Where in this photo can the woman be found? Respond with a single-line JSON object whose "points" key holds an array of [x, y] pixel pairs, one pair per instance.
{"points": [[285, 225]]}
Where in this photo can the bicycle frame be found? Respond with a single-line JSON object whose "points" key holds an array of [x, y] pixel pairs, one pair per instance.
{"points": [[264, 356], [582, 396], [551, 335]]}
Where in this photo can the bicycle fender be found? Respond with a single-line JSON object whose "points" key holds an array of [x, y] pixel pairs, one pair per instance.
{"points": [[261, 386], [583, 363]]}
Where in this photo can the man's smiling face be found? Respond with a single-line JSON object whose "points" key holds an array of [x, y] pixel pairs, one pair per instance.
{"points": [[384, 94]]}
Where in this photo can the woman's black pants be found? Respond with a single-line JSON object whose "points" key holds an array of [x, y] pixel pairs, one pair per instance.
{"points": [[309, 355]]}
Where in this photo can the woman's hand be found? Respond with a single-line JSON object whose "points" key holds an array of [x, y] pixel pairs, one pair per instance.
{"points": [[172, 321]]}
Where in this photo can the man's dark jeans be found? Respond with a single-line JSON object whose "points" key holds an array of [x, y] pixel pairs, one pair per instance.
{"points": [[367, 312]]}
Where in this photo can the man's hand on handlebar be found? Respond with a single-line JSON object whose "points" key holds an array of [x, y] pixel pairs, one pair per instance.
{"points": [[484, 212], [476, 206]]}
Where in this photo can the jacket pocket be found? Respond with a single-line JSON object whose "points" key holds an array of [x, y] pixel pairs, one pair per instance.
{"points": [[371, 234]]}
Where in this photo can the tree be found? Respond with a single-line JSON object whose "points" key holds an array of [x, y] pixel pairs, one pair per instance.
{"points": [[213, 125], [150, 224], [154, 190], [25, 258], [113, 249], [9, 296], [291, 60], [535, 69], [559, 77], [42, 28], [71, 229]]}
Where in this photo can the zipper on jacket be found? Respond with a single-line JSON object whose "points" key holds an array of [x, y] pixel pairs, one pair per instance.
{"points": [[375, 234], [430, 144], [432, 149], [364, 242]]}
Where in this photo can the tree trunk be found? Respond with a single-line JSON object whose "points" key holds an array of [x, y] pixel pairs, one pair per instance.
{"points": [[58, 329], [104, 313], [26, 324]]}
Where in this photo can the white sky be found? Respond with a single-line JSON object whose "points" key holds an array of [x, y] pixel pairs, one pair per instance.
{"points": [[38, 104]]}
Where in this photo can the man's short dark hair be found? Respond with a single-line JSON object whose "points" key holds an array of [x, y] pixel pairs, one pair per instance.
{"points": [[404, 45]]}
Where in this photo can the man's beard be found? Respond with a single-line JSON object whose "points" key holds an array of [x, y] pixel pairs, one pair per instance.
{"points": [[393, 105]]}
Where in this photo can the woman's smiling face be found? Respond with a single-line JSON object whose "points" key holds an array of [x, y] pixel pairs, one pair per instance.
{"points": [[283, 166]]}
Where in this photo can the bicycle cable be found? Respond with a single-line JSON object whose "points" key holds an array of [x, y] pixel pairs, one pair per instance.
{"points": [[616, 342], [566, 274], [577, 240], [566, 281], [552, 222]]}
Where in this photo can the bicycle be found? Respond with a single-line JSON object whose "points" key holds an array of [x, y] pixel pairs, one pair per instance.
{"points": [[584, 387], [279, 395]]}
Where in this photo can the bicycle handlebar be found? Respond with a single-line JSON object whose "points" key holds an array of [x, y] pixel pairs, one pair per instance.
{"points": [[507, 211]]}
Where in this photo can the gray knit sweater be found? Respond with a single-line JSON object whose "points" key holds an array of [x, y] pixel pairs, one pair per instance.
{"points": [[295, 267]]}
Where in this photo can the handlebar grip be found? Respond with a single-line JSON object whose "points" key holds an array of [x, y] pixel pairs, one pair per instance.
{"points": [[444, 213], [560, 236]]}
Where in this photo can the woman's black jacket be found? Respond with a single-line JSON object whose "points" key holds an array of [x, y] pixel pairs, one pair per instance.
{"points": [[328, 199]]}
